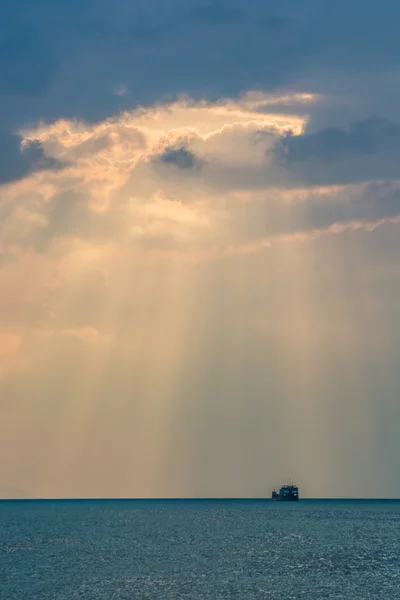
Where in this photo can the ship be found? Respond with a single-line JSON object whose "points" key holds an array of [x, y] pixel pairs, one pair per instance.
{"points": [[287, 493]]}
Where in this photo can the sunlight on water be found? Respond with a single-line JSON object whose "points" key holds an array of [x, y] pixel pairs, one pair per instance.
{"points": [[199, 549]]}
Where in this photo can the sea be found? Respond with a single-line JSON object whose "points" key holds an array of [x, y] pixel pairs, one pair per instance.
{"points": [[199, 549]]}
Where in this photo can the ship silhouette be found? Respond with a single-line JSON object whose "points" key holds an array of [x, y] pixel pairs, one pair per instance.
{"points": [[287, 493]]}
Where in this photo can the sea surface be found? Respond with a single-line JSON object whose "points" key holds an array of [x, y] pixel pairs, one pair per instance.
{"points": [[150, 550]]}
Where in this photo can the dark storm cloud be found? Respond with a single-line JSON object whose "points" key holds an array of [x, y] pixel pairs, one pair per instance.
{"points": [[179, 156], [366, 151], [16, 162]]}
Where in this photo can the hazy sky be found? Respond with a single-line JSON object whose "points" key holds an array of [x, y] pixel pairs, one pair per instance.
{"points": [[199, 247]]}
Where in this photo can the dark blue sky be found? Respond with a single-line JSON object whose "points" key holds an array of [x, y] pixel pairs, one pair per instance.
{"points": [[64, 59]]}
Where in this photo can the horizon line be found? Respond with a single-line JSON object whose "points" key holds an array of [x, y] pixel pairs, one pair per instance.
{"points": [[191, 499]]}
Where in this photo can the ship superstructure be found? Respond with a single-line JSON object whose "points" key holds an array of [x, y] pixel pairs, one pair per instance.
{"points": [[287, 493]]}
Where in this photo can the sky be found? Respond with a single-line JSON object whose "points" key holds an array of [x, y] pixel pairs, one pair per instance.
{"points": [[199, 241]]}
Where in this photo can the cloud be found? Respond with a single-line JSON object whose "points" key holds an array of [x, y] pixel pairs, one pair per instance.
{"points": [[264, 218], [179, 156], [368, 150], [178, 178], [19, 160]]}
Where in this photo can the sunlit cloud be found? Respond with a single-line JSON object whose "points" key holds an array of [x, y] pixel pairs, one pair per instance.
{"points": [[198, 156]]}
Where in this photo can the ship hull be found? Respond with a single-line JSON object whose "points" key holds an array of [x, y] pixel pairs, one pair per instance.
{"points": [[285, 499]]}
